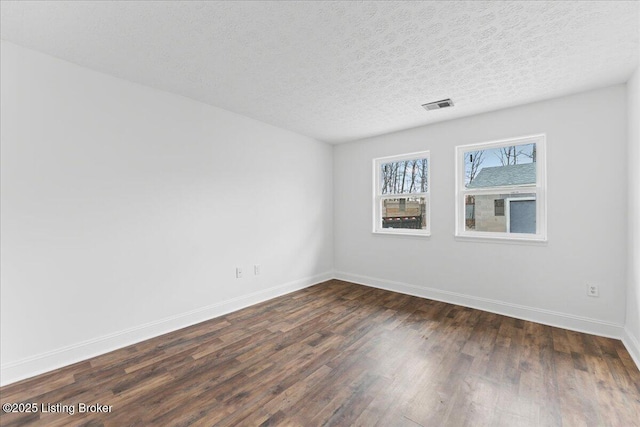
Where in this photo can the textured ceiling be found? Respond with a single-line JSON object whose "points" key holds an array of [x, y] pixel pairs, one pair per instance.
{"points": [[338, 71]]}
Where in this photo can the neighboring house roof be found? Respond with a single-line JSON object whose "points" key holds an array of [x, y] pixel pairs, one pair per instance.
{"points": [[498, 176]]}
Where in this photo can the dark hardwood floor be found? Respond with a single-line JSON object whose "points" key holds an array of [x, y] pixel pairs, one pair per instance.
{"points": [[342, 354]]}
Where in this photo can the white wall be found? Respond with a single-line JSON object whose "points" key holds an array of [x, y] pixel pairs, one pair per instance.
{"points": [[125, 211], [632, 333], [587, 217]]}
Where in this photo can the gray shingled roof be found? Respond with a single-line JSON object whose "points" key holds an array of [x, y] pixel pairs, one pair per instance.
{"points": [[498, 176]]}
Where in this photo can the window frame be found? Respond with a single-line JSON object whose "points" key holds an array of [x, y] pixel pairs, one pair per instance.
{"points": [[378, 197], [539, 189]]}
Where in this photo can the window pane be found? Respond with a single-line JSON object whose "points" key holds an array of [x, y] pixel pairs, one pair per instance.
{"points": [[406, 176], [501, 166], [518, 215], [408, 213]]}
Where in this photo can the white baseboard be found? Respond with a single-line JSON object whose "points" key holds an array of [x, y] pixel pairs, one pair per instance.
{"points": [[633, 346], [45, 362], [546, 317]]}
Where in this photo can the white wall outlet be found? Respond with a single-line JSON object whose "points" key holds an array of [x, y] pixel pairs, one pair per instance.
{"points": [[256, 269], [592, 291], [238, 272]]}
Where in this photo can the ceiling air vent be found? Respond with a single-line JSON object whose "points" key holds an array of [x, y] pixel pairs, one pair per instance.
{"points": [[438, 105]]}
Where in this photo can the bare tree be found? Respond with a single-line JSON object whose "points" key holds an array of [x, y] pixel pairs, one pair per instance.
{"points": [[394, 168], [407, 176], [532, 155], [508, 155], [389, 178], [423, 175], [404, 175], [384, 179], [513, 155], [414, 175], [473, 160]]}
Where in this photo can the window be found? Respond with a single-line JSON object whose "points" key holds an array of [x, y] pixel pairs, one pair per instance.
{"points": [[401, 194], [501, 189]]}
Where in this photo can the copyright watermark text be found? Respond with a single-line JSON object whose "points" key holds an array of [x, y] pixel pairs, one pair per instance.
{"points": [[61, 408]]}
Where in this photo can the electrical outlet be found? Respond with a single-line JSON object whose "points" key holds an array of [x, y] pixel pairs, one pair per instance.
{"points": [[238, 272], [256, 269], [592, 291]]}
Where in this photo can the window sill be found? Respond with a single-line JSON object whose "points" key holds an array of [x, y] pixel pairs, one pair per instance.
{"points": [[502, 240], [401, 233]]}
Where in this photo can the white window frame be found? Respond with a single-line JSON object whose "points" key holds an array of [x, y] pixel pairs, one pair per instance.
{"points": [[378, 197], [539, 189]]}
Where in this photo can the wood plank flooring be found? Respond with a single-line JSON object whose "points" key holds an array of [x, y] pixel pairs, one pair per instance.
{"points": [[342, 354]]}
